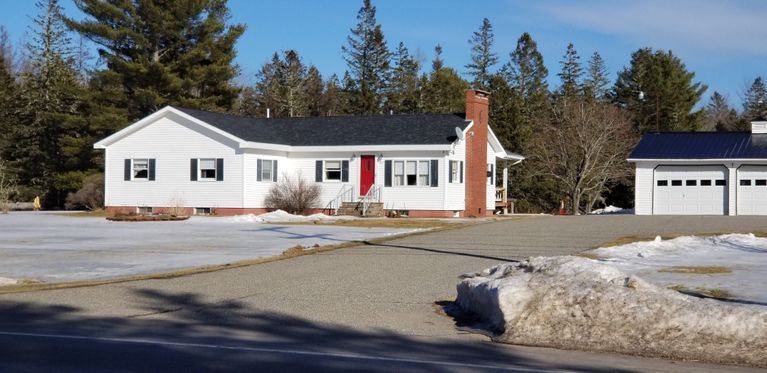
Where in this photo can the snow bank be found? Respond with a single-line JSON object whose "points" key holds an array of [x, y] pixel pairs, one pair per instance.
{"points": [[577, 303], [280, 216], [744, 255], [5, 281], [610, 210]]}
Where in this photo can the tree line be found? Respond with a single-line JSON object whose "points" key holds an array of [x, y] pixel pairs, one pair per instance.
{"points": [[55, 102]]}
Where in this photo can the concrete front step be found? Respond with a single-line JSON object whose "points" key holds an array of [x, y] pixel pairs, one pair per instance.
{"points": [[375, 209]]}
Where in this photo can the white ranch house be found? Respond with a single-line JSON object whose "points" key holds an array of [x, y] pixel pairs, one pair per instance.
{"points": [[436, 165]]}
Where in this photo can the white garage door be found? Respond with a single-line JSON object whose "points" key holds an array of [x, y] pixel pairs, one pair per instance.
{"points": [[690, 190], [752, 190]]}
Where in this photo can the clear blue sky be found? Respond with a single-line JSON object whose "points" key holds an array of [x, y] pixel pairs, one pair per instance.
{"points": [[723, 42]]}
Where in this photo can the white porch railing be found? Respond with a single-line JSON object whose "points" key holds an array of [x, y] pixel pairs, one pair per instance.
{"points": [[346, 194], [372, 196]]}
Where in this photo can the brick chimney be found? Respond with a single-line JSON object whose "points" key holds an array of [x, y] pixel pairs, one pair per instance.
{"points": [[477, 107]]}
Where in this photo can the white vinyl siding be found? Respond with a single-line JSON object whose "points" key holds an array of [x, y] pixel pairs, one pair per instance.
{"points": [[643, 189], [173, 143], [455, 192], [490, 195]]}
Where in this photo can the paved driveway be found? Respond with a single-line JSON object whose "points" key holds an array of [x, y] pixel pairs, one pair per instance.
{"points": [[54, 247], [364, 308]]}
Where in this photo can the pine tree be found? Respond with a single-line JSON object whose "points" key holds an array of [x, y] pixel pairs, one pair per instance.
{"points": [[281, 86], [8, 101], [571, 73], [719, 115], [668, 93], [482, 56], [527, 75], [368, 59], [7, 51], [404, 84], [314, 89], [48, 104], [164, 53], [755, 101], [444, 91], [333, 100], [596, 84]]}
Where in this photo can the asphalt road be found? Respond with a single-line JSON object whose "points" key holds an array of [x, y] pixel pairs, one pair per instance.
{"points": [[365, 308]]}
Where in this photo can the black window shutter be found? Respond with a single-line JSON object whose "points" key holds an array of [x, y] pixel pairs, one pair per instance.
{"points": [[219, 169], [258, 169], [434, 172], [450, 170], [460, 168], [387, 173], [345, 171], [193, 169], [318, 171], [127, 170], [274, 170], [152, 164], [492, 174]]}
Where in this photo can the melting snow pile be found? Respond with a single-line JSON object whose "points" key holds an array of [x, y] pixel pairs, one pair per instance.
{"points": [[4, 281], [741, 258], [610, 210], [577, 303], [280, 216]]}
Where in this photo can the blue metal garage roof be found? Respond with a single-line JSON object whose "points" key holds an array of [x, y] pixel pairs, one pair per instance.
{"points": [[701, 145]]}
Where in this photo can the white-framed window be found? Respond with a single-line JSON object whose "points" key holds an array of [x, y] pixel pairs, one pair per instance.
{"points": [[411, 173], [140, 169], [207, 169], [267, 167], [332, 170], [455, 172]]}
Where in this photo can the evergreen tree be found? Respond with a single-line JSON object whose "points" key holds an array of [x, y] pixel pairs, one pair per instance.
{"points": [[444, 90], [596, 84], [527, 74], [719, 115], [755, 102], [7, 51], [314, 89], [8, 101], [164, 53], [668, 93], [571, 73], [404, 85], [48, 103], [281, 86], [333, 100], [247, 104], [367, 57], [482, 56], [506, 114]]}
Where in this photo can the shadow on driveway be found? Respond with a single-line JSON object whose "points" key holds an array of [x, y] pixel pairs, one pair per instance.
{"points": [[180, 331]]}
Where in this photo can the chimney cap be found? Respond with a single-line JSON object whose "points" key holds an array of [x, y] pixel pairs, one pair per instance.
{"points": [[479, 91]]}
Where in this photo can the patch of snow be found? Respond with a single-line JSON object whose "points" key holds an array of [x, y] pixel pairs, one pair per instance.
{"points": [[578, 303], [744, 255], [5, 281], [280, 216], [611, 210]]}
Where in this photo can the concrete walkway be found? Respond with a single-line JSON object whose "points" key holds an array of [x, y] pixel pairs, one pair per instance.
{"points": [[370, 307]]}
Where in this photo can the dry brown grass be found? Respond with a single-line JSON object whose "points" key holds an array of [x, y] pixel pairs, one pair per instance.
{"points": [[588, 255], [702, 292], [668, 236], [698, 270]]}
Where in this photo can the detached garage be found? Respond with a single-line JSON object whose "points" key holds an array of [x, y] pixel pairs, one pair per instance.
{"points": [[702, 173]]}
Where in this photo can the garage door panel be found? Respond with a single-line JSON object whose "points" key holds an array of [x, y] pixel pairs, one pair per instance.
{"points": [[689, 190], [752, 198]]}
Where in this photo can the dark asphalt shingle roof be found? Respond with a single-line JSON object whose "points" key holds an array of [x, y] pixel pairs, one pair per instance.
{"points": [[701, 145], [416, 129]]}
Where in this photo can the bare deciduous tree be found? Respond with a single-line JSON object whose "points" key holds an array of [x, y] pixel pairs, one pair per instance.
{"points": [[584, 146], [8, 186]]}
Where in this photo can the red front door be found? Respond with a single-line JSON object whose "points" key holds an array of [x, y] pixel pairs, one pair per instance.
{"points": [[367, 173]]}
